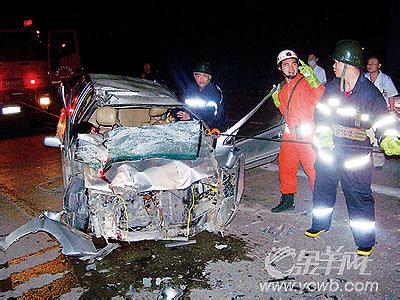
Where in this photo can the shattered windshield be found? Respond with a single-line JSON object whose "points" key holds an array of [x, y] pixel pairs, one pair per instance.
{"points": [[178, 141]]}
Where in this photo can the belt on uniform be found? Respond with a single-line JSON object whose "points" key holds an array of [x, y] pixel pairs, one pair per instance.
{"points": [[356, 134]]}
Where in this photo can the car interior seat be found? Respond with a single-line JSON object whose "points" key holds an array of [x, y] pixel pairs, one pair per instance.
{"points": [[158, 115], [134, 117], [106, 118]]}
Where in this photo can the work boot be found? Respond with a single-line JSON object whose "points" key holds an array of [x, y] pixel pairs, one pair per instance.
{"points": [[314, 233], [286, 204], [365, 251]]}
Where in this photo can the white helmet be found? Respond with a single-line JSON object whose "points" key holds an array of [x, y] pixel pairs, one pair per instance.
{"points": [[285, 54]]}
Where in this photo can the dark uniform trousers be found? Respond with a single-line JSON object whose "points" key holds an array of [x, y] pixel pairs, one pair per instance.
{"points": [[356, 186]]}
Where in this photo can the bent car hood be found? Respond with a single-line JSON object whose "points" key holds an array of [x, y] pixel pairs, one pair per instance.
{"points": [[159, 157]]}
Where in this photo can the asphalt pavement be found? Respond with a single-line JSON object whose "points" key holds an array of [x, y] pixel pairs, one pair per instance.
{"points": [[280, 263]]}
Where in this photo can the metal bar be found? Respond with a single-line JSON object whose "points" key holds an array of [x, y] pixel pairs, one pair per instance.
{"points": [[299, 142]]}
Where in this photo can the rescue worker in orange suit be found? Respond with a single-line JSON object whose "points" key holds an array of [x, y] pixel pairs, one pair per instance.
{"points": [[296, 98], [351, 104]]}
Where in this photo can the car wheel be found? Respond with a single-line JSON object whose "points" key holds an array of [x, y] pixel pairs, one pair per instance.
{"points": [[76, 204]]}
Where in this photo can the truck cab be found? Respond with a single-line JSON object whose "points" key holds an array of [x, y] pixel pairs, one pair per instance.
{"points": [[30, 68]]}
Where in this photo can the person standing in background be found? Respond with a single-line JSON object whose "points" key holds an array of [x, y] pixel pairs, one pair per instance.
{"points": [[388, 90], [148, 73], [382, 81], [205, 98], [319, 71]]}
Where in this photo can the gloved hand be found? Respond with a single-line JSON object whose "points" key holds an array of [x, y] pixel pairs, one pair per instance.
{"points": [[214, 133], [323, 138], [275, 95], [309, 74], [391, 145]]}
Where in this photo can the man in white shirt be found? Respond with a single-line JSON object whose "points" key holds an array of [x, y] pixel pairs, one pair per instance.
{"points": [[385, 85], [319, 71], [382, 81]]}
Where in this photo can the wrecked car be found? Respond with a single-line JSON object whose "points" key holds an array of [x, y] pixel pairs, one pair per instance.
{"points": [[132, 171], [143, 174]]}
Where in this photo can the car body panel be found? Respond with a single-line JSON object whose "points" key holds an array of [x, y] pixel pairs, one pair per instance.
{"points": [[262, 148], [73, 242], [143, 174], [257, 134]]}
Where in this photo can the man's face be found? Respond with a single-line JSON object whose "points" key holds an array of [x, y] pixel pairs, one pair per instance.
{"points": [[202, 79], [373, 65], [147, 67], [338, 68], [312, 61], [289, 67]]}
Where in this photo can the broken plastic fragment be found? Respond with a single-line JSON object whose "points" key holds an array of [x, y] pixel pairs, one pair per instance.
{"points": [[171, 293], [178, 244], [73, 241], [101, 253], [147, 282], [221, 246]]}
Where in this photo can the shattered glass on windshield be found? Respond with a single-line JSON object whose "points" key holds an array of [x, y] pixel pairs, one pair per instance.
{"points": [[178, 141]]}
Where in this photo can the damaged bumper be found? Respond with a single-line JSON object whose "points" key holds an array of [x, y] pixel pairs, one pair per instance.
{"points": [[73, 242]]}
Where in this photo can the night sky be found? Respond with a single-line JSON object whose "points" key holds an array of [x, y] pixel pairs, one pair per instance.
{"points": [[240, 40]]}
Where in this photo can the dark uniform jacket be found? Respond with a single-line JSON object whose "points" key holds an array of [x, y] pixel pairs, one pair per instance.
{"points": [[354, 112], [213, 112]]}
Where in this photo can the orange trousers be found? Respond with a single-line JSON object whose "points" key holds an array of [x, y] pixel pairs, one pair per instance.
{"points": [[290, 155]]}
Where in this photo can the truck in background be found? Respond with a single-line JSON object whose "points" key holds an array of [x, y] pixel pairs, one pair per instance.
{"points": [[30, 69]]}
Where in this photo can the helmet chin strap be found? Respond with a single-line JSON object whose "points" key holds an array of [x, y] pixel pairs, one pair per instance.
{"points": [[342, 81]]}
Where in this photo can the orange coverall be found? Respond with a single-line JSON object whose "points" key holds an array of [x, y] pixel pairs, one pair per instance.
{"points": [[300, 115]]}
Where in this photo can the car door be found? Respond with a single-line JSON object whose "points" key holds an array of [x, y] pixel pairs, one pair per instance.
{"points": [[258, 137], [78, 103]]}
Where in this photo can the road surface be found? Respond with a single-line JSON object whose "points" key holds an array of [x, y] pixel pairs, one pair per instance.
{"points": [[262, 256]]}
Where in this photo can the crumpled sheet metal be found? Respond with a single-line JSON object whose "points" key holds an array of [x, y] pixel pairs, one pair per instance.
{"points": [[91, 258], [91, 150], [73, 241], [149, 175], [123, 90], [153, 174]]}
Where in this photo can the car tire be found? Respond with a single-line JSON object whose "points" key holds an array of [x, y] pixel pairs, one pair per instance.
{"points": [[76, 204]]}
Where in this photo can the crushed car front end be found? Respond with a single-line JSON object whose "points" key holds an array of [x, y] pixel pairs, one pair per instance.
{"points": [[159, 182]]}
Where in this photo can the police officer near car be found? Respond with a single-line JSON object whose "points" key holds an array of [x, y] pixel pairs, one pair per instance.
{"points": [[296, 98], [205, 99], [350, 105]]}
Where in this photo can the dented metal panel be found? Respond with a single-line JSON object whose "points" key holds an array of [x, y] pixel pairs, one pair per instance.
{"points": [[73, 242]]}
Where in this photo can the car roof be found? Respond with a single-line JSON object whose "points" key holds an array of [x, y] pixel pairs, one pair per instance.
{"points": [[122, 90]]}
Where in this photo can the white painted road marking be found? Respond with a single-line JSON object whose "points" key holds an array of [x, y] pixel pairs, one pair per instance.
{"points": [[379, 189]]}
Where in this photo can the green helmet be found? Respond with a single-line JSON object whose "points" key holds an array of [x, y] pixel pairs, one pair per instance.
{"points": [[349, 52], [203, 67]]}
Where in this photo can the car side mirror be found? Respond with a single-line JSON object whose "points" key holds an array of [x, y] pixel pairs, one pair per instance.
{"points": [[52, 141], [232, 158]]}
